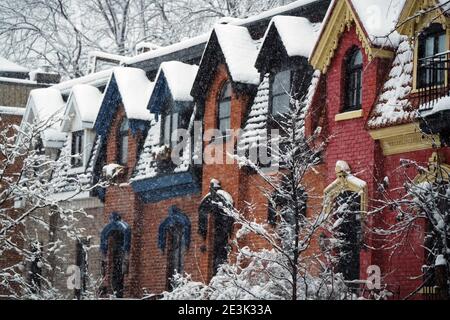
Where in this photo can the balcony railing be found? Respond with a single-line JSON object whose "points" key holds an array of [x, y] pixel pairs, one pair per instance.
{"points": [[433, 79]]}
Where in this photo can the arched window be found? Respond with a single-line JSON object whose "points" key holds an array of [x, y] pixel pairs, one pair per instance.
{"points": [[115, 245], [347, 213], [215, 204], [353, 81], [432, 43], [176, 231], [224, 109], [123, 142], [346, 202]]}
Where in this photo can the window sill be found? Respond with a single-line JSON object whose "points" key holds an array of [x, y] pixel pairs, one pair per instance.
{"points": [[349, 115]]}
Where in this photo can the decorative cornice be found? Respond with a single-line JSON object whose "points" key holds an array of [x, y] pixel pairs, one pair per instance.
{"points": [[411, 23], [343, 17], [404, 138], [345, 181]]}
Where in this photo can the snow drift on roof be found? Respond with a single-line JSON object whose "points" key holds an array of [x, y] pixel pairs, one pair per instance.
{"points": [[9, 66], [298, 34], [270, 13], [88, 99], [379, 18], [180, 78], [240, 52], [167, 50], [135, 90], [393, 106], [93, 79], [47, 103]]}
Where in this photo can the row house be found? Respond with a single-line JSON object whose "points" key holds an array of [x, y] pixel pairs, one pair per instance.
{"points": [[373, 83], [160, 216], [16, 83], [380, 82]]}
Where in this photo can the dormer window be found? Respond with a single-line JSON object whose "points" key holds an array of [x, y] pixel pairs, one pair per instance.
{"points": [[123, 142], [281, 93], [224, 109], [77, 149], [431, 68], [353, 81]]}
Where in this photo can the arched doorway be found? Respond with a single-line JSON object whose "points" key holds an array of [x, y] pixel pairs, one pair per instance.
{"points": [[115, 244], [215, 205]]}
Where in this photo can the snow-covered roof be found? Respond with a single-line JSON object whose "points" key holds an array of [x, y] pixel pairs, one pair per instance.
{"points": [[168, 49], [379, 19], [84, 103], [135, 90], [272, 12], [46, 106], [9, 66], [88, 100], [291, 30], [148, 166], [240, 52], [180, 78], [93, 79], [393, 106], [255, 128], [46, 103], [255, 131]]}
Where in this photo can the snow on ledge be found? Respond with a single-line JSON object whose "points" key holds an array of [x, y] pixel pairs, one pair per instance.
{"points": [[12, 111]]}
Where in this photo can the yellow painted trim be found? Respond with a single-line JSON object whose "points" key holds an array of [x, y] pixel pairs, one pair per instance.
{"points": [[343, 17], [348, 115], [404, 138], [345, 181], [394, 131], [410, 27], [436, 169], [416, 59]]}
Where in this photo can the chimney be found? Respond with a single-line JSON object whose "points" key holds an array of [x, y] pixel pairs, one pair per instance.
{"points": [[143, 47], [44, 75]]}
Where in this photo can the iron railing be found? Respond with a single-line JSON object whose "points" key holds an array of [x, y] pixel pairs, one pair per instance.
{"points": [[433, 79]]}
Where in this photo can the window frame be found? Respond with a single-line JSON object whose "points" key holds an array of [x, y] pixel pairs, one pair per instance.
{"points": [[77, 148], [221, 99], [272, 96], [175, 254], [435, 31], [351, 87], [122, 157]]}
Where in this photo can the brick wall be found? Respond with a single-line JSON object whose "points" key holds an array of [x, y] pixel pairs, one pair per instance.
{"points": [[349, 140], [122, 199]]}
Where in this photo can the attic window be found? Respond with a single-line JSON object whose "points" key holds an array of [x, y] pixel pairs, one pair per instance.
{"points": [[353, 81], [77, 149], [224, 109], [280, 92], [432, 43], [123, 142]]}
